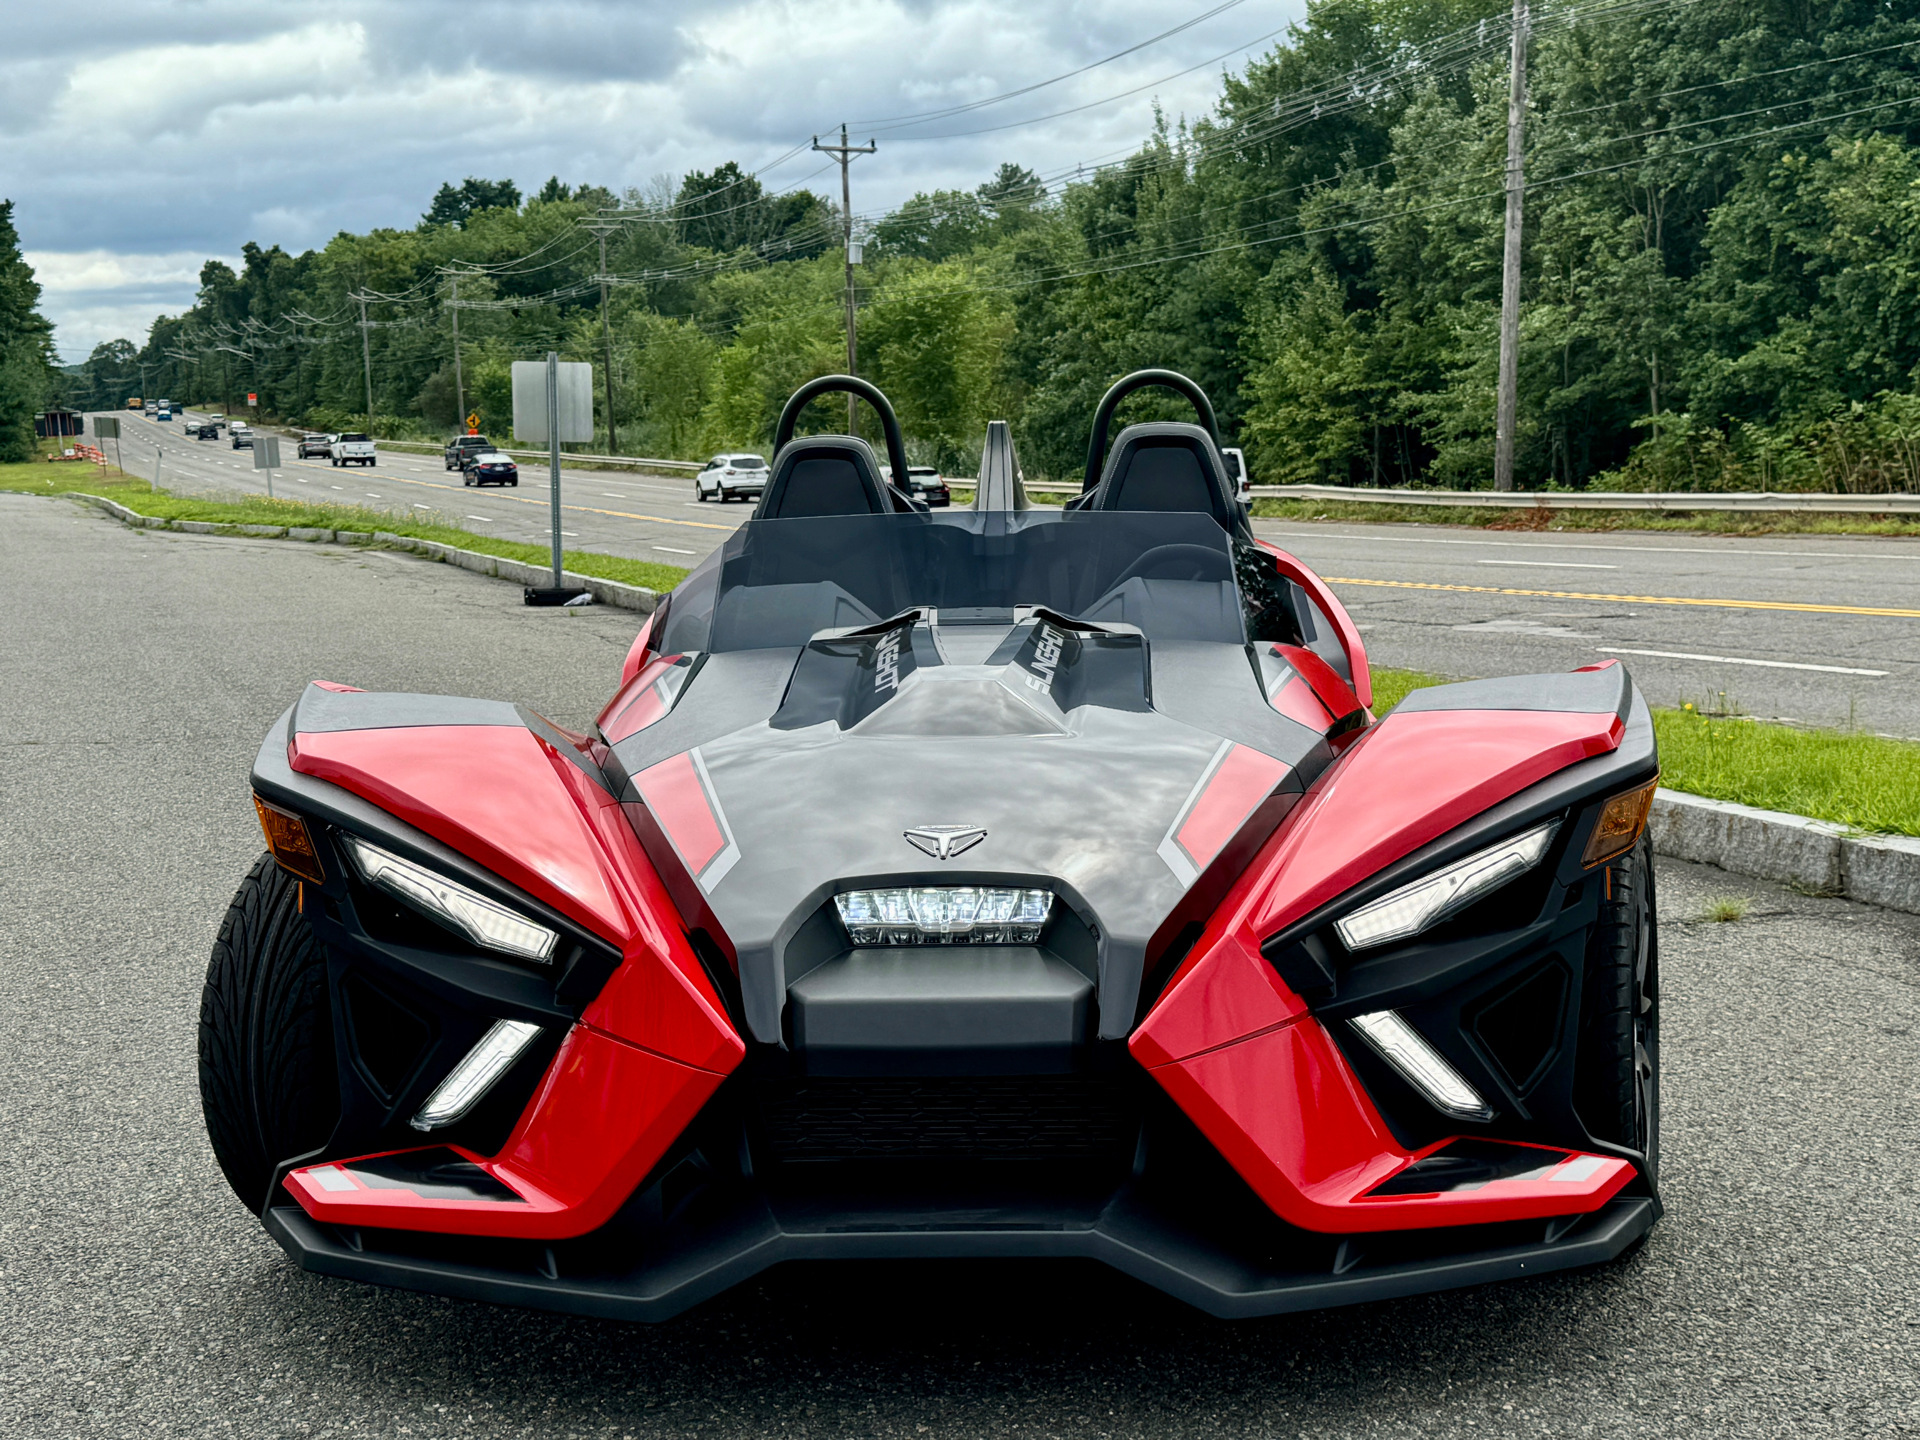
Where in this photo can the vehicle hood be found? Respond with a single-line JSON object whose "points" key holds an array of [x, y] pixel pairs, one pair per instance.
{"points": [[1115, 772]]}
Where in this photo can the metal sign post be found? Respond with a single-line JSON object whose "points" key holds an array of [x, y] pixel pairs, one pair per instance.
{"points": [[553, 401], [266, 456]]}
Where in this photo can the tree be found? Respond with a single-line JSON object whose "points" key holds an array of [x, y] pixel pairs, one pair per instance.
{"points": [[727, 209], [26, 345], [457, 205]]}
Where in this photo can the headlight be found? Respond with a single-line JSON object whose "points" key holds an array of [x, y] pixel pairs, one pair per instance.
{"points": [[944, 915], [1419, 904], [486, 923]]}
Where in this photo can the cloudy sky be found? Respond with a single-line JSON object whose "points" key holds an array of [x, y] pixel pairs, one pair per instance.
{"points": [[137, 138]]}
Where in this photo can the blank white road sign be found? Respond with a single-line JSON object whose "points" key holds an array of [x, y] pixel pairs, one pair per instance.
{"points": [[266, 452], [576, 401]]}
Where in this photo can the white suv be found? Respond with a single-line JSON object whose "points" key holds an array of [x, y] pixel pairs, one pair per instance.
{"points": [[726, 476]]}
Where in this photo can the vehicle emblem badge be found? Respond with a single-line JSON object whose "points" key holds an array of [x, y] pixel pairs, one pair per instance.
{"points": [[945, 842]]}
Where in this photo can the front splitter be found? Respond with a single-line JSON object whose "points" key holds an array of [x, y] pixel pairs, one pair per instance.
{"points": [[658, 1275]]}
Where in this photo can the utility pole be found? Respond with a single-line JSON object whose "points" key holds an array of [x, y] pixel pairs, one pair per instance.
{"points": [[366, 358], [601, 227], [843, 152], [460, 386], [1506, 401]]}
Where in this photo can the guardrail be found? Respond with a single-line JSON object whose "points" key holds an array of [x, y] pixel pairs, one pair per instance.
{"points": [[633, 462], [1741, 500]]}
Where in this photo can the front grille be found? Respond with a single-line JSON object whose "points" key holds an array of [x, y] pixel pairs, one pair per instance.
{"points": [[949, 1118]]}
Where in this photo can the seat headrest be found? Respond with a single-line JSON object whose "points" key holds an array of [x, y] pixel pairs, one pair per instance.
{"points": [[1167, 466], [824, 475]]}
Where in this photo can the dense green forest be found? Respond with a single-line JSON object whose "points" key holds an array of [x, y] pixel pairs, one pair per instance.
{"points": [[1720, 283]]}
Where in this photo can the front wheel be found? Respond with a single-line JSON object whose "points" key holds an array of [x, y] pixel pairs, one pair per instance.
{"points": [[268, 1087], [1618, 1066], [700, 491]]}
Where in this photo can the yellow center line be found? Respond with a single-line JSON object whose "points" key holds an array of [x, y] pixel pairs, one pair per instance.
{"points": [[529, 500], [1634, 599]]}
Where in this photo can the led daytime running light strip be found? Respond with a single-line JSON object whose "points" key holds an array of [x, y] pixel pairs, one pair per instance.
{"points": [[944, 915], [1407, 1051], [467, 913], [486, 1063]]}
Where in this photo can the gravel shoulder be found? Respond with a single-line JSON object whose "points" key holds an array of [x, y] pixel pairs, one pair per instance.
{"points": [[1777, 1297]]}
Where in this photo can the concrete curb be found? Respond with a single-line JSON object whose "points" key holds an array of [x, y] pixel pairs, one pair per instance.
{"points": [[1769, 845], [1776, 846], [605, 592]]}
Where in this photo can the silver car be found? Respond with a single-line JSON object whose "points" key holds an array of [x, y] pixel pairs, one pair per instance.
{"points": [[730, 475]]}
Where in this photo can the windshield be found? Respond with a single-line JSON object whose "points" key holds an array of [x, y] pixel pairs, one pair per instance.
{"points": [[354, 437], [748, 462], [777, 582]]}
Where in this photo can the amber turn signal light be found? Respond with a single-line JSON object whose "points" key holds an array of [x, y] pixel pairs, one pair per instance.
{"points": [[287, 838], [1622, 820]]}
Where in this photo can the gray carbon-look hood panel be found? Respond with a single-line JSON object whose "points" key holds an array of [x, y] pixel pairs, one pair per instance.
{"points": [[816, 778]]}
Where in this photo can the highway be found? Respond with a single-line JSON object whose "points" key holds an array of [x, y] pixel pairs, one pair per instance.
{"points": [[1792, 627], [1776, 1297]]}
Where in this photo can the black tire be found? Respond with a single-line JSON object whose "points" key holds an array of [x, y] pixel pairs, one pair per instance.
{"points": [[699, 492], [1618, 1066], [268, 1087]]}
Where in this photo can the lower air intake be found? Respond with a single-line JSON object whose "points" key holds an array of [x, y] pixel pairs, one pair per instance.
{"points": [[949, 1118]]}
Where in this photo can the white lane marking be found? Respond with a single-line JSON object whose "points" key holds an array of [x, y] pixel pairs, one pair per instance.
{"points": [[1581, 545], [483, 519], [419, 506], [1740, 660], [673, 550], [1552, 564], [375, 495], [337, 487], [612, 495], [574, 533]]}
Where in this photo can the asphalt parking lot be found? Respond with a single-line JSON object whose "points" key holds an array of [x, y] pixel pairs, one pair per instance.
{"points": [[1777, 1297]]}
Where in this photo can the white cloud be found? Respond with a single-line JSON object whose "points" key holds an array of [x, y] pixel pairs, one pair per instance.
{"points": [[110, 270]]}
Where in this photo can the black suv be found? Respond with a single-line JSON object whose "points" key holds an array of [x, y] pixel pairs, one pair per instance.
{"points": [[463, 448]]}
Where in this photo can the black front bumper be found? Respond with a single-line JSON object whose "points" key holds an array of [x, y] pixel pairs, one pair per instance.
{"points": [[650, 1264]]}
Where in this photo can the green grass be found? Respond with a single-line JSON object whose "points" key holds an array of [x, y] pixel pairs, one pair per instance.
{"points": [[40, 478], [1853, 779], [1724, 908]]}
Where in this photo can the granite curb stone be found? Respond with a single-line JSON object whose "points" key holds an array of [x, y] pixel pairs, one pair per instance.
{"points": [[1795, 850]]}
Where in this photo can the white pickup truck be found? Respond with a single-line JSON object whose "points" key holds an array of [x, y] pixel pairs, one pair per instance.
{"points": [[352, 448]]}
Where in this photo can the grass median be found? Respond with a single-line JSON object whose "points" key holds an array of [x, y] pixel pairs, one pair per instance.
{"points": [[43, 478], [1532, 518], [1850, 778]]}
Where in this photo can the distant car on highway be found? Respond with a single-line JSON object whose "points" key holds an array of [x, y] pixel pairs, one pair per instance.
{"points": [[312, 445], [352, 448], [150, 408], [242, 436], [924, 482], [203, 430], [726, 476], [164, 413], [461, 447], [490, 467]]}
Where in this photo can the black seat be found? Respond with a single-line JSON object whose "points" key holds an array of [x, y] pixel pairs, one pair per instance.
{"points": [[824, 475], [1166, 467]]}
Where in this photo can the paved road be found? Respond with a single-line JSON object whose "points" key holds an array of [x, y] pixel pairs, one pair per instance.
{"points": [[647, 517], [1446, 599], [138, 1298], [1473, 603]]}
